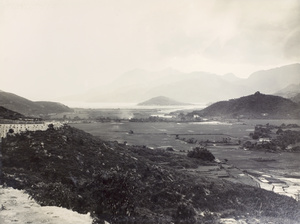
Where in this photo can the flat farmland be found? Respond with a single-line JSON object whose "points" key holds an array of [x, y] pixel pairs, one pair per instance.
{"points": [[156, 134], [279, 172]]}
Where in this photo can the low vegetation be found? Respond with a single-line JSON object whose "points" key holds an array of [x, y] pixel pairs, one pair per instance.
{"points": [[130, 184], [275, 138], [201, 153]]}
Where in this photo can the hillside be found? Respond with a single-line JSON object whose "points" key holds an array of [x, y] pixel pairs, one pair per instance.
{"points": [[289, 91], [198, 87], [129, 184], [296, 98], [275, 79], [27, 107], [161, 101], [9, 114], [53, 107], [253, 106]]}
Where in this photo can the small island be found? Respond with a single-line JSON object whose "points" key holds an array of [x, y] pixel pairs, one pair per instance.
{"points": [[162, 101]]}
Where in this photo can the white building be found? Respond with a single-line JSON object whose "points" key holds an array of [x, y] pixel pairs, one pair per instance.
{"points": [[18, 128]]}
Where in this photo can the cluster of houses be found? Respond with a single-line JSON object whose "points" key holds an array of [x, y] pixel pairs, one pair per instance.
{"points": [[19, 127]]}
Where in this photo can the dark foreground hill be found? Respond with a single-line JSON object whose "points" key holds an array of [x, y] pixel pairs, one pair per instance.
{"points": [[161, 101], [30, 108], [253, 106], [9, 114], [130, 184]]}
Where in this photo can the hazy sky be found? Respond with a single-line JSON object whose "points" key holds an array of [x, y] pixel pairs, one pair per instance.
{"points": [[50, 48]]}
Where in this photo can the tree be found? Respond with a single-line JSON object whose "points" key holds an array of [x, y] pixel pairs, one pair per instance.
{"points": [[201, 153], [279, 131], [50, 126]]}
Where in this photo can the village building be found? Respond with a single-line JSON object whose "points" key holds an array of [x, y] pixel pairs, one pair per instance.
{"points": [[262, 140]]}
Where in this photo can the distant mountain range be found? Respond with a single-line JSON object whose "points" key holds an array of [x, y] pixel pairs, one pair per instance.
{"points": [[253, 106], [161, 101], [30, 108], [196, 87]]}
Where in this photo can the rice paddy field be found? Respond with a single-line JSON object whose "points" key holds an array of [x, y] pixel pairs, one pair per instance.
{"points": [[279, 172], [156, 134]]}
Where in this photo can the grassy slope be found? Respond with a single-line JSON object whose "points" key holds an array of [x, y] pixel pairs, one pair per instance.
{"points": [[253, 106], [53, 107], [127, 184], [28, 107]]}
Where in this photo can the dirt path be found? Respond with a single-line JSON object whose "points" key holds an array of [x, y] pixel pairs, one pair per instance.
{"points": [[17, 208]]}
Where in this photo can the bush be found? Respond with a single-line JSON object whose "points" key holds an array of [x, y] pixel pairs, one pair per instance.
{"points": [[169, 149], [185, 214], [201, 153]]}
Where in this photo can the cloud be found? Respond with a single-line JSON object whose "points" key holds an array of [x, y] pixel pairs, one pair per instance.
{"points": [[292, 45], [65, 43]]}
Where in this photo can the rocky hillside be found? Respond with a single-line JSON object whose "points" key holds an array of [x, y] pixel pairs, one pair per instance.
{"points": [[9, 114], [161, 101], [30, 108], [253, 106], [130, 184]]}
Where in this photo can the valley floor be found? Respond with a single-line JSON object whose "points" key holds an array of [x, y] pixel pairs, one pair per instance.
{"points": [[278, 172]]}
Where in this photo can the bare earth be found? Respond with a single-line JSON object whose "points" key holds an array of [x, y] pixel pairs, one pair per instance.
{"points": [[16, 207]]}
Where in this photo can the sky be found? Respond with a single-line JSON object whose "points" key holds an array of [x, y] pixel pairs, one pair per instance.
{"points": [[51, 48]]}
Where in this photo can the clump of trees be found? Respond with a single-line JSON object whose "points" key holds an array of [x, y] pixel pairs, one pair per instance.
{"points": [[261, 131], [286, 139], [201, 153]]}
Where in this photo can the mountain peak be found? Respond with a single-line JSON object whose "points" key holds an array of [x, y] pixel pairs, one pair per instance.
{"points": [[230, 77], [257, 93]]}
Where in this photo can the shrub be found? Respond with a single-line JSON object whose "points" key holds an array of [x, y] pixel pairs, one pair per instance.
{"points": [[169, 149], [201, 153], [185, 214]]}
